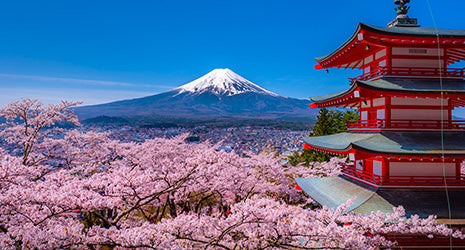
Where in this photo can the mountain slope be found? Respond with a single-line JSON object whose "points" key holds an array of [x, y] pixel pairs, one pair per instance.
{"points": [[218, 94]]}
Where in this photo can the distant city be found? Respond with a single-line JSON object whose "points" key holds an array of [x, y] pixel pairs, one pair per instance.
{"points": [[238, 139]]}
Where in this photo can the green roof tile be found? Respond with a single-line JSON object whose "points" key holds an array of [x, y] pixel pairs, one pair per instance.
{"points": [[425, 86], [335, 191], [415, 31], [399, 143]]}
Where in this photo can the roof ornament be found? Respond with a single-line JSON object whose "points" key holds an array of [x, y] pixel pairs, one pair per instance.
{"points": [[402, 9], [402, 20]]}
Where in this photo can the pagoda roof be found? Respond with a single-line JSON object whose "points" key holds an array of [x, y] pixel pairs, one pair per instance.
{"points": [[329, 97], [349, 54], [335, 191], [418, 85], [415, 31], [393, 143], [390, 86], [352, 38]]}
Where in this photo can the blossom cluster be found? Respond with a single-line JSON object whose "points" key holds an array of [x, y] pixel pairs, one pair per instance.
{"points": [[90, 192]]}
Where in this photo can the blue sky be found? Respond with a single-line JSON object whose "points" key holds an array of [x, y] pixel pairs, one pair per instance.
{"points": [[100, 51]]}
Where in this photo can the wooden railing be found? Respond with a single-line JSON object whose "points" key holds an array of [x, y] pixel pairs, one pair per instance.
{"points": [[416, 72], [378, 124], [379, 180], [366, 176]]}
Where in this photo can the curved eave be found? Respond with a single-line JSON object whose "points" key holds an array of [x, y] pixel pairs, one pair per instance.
{"points": [[383, 85], [338, 143], [335, 191], [345, 151], [437, 153], [404, 32], [341, 98], [391, 143], [393, 87], [354, 148], [415, 31], [352, 38]]}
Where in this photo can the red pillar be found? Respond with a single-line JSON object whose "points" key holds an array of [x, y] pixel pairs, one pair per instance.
{"points": [[387, 115], [457, 168], [385, 169]]}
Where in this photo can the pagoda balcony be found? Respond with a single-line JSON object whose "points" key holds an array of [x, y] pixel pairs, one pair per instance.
{"points": [[405, 125], [378, 72], [406, 181]]}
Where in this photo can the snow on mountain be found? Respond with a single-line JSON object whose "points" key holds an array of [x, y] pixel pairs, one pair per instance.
{"points": [[220, 94], [222, 82]]}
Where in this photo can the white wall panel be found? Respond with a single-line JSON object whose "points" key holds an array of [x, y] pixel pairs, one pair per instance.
{"points": [[417, 101], [382, 63], [378, 102], [368, 59], [380, 114], [359, 165], [416, 51], [366, 104], [380, 54], [416, 63], [378, 167], [419, 114], [364, 115], [421, 169]]}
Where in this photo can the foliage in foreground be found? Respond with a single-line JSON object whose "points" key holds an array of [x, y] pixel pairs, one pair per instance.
{"points": [[308, 157], [328, 122], [83, 190], [333, 121]]}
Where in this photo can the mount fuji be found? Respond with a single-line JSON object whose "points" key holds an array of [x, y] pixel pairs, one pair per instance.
{"points": [[222, 82], [220, 94]]}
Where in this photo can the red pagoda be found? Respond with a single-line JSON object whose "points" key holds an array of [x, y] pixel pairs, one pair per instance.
{"points": [[406, 149]]}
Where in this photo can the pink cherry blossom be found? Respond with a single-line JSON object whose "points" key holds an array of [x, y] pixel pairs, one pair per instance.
{"points": [[165, 193]]}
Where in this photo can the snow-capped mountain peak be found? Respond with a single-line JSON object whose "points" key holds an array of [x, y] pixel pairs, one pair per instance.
{"points": [[222, 82]]}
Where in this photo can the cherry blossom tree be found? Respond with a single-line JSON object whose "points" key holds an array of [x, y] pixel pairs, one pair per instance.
{"points": [[34, 125], [166, 193]]}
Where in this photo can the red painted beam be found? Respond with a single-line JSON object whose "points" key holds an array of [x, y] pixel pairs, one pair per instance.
{"points": [[318, 66]]}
